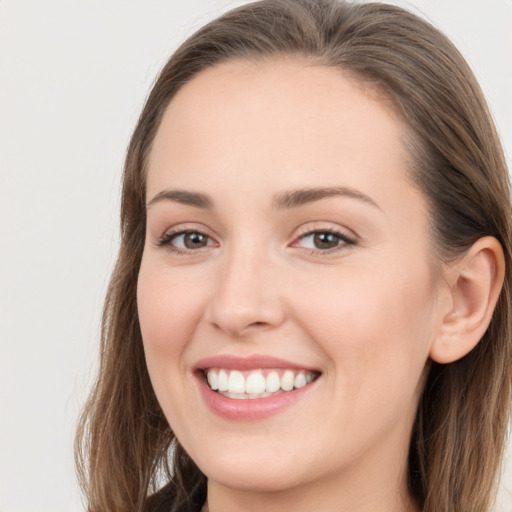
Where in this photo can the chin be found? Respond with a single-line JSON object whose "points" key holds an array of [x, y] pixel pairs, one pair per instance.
{"points": [[251, 476], [253, 482]]}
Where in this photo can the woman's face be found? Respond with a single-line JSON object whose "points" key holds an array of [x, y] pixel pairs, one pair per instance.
{"points": [[286, 248]]}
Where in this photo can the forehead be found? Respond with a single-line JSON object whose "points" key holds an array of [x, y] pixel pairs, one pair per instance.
{"points": [[278, 119]]}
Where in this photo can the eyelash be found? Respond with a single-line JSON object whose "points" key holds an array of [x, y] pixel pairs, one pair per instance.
{"points": [[345, 241], [166, 239]]}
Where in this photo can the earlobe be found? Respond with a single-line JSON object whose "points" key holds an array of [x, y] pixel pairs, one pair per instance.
{"points": [[475, 284]]}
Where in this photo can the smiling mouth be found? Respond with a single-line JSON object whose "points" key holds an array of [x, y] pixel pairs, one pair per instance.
{"points": [[260, 383]]}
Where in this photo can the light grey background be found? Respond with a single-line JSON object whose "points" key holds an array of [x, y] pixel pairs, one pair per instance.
{"points": [[73, 77]]}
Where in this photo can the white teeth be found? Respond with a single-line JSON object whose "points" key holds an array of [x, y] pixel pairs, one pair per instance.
{"points": [[245, 396], [236, 382], [287, 380], [222, 382], [300, 381], [236, 396], [238, 385], [213, 380], [255, 383], [273, 382]]}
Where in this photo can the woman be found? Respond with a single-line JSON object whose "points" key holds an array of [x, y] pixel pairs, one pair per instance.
{"points": [[311, 304]]}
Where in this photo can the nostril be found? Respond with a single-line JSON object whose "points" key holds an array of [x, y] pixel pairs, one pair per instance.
{"points": [[240, 317]]}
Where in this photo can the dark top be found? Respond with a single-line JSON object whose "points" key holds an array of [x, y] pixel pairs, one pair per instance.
{"points": [[165, 501], [162, 501]]}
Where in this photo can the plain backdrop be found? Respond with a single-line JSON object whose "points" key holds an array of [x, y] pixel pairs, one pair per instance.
{"points": [[73, 78]]}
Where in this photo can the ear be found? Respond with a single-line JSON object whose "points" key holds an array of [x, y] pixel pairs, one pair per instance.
{"points": [[475, 283]]}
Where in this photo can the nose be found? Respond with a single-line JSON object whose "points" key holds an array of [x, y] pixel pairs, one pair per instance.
{"points": [[247, 296]]}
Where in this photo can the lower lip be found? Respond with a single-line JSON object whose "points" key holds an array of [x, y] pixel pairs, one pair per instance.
{"points": [[250, 409]]}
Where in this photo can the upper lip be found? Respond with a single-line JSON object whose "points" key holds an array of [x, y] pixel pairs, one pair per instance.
{"points": [[253, 362]]}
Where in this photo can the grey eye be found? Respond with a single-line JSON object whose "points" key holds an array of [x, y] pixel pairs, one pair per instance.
{"points": [[191, 240], [326, 240], [321, 240]]}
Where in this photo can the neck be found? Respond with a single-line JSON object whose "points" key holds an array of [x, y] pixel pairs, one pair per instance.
{"points": [[332, 494], [372, 480]]}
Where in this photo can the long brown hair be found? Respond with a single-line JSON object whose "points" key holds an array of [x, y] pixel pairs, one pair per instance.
{"points": [[124, 444]]}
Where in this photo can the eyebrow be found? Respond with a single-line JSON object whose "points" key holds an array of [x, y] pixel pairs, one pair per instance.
{"points": [[284, 200], [296, 198], [184, 197]]}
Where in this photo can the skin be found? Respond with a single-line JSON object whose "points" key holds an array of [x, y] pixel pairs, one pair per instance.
{"points": [[365, 315]]}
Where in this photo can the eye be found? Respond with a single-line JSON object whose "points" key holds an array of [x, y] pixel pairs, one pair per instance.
{"points": [[185, 240], [322, 241]]}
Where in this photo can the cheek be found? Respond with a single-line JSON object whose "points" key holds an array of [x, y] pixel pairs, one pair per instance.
{"points": [[376, 328], [169, 310]]}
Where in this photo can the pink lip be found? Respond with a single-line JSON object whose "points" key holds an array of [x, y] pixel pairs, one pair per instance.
{"points": [[248, 410], [251, 409], [248, 363]]}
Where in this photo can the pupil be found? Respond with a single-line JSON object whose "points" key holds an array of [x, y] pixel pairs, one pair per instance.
{"points": [[325, 240], [194, 240]]}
